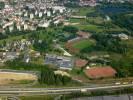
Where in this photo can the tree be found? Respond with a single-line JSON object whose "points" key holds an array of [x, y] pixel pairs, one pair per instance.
{"points": [[41, 46], [2, 5], [106, 42], [58, 79], [65, 80], [70, 29], [47, 77]]}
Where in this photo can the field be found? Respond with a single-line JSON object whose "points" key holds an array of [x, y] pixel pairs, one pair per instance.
{"points": [[9, 39], [83, 44], [91, 28], [78, 45], [82, 11], [12, 77], [95, 24], [76, 20], [96, 20]]}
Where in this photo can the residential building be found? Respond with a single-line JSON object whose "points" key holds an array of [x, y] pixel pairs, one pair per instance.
{"points": [[123, 36]]}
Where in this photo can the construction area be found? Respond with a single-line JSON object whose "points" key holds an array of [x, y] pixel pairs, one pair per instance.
{"points": [[13, 77]]}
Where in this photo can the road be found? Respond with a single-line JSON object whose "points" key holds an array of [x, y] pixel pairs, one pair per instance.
{"points": [[59, 90]]}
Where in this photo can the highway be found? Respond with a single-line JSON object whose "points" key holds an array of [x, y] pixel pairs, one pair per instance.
{"points": [[59, 90]]}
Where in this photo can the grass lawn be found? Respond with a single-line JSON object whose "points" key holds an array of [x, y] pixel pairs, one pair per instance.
{"points": [[76, 20], [91, 28], [95, 25], [92, 24], [82, 11], [83, 44], [98, 28], [38, 60], [9, 39], [96, 20]]}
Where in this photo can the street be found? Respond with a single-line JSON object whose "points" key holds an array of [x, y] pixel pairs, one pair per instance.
{"points": [[59, 90]]}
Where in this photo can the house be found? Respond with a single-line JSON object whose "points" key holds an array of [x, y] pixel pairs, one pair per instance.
{"points": [[31, 16], [61, 9], [44, 24], [40, 14], [56, 22], [108, 18], [18, 26], [11, 28], [26, 58], [6, 56], [80, 63], [123, 36], [25, 26], [7, 24], [100, 72], [32, 27], [59, 61], [48, 14], [87, 3], [26, 14]]}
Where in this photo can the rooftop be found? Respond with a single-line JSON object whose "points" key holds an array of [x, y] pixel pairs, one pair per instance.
{"points": [[80, 63], [100, 72], [59, 61]]}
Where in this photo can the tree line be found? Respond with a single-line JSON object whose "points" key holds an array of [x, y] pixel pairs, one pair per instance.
{"points": [[106, 42], [50, 78]]}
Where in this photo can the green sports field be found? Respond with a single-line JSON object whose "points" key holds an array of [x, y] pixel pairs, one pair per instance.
{"points": [[85, 43]]}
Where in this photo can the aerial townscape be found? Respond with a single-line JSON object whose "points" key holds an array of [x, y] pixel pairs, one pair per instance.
{"points": [[66, 49]]}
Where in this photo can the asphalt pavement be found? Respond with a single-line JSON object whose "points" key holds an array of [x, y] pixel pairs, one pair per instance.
{"points": [[5, 90]]}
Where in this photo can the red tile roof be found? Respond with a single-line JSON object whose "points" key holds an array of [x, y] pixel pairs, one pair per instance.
{"points": [[80, 62], [100, 72]]}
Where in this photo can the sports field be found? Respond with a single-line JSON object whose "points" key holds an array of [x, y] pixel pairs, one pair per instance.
{"points": [[79, 45], [83, 44]]}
